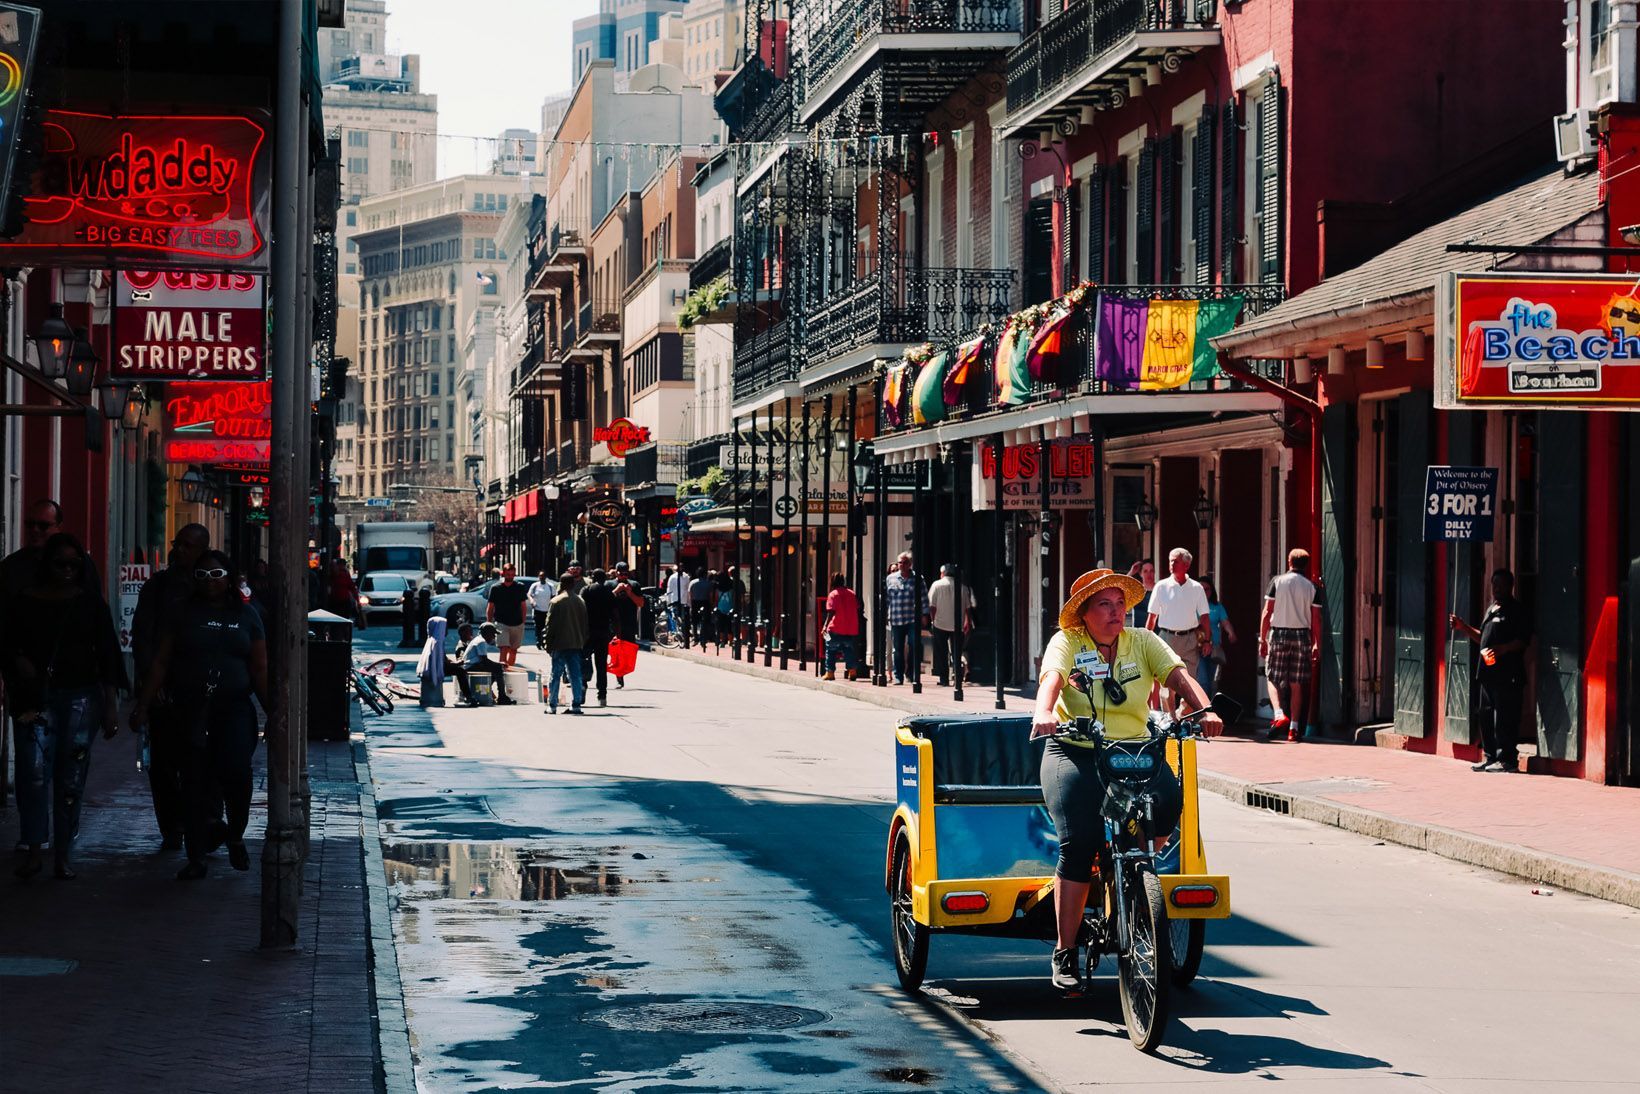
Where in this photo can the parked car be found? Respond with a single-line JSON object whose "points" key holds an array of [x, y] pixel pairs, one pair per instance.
{"points": [[445, 582], [466, 607], [381, 594]]}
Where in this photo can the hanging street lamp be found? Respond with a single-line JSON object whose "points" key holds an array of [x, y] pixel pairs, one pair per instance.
{"points": [[54, 343]]}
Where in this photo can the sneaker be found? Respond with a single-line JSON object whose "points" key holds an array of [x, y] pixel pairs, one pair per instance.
{"points": [[851, 675], [504, 701], [550, 710], [1279, 723], [1484, 765], [1506, 769], [1065, 975], [1292, 734], [619, 682], [829, 676], [576, 710]]}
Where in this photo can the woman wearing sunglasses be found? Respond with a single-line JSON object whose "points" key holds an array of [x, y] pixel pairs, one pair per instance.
{"points": [[1120, 665], [214, 660], [61, 671]]}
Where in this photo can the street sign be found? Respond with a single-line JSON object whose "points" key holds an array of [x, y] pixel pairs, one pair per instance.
{"points": [[785, 506], [378, 503], [1460, 504]]}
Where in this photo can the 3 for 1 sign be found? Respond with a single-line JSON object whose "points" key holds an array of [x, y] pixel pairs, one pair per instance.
{"points": [[1460, 504]]}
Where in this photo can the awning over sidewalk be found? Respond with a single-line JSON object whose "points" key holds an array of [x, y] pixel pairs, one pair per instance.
{"points": [[1396, 289]]}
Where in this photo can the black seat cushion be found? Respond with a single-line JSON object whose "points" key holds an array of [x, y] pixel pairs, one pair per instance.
{"points": [[983, 757]]}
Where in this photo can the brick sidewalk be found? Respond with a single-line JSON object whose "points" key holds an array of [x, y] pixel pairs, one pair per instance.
{"points": [[164, 988], [1565, 832]]}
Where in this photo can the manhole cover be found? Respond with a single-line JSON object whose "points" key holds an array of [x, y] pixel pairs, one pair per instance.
{"points": [[707, 1017]]}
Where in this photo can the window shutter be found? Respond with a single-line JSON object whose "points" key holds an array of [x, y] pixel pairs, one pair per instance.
{"points": [[1167, 162], [1095, 220], [1202, 198], [1146, 214], [1228, 175], [1116, 221], [1269, 186], [1067, 233]]}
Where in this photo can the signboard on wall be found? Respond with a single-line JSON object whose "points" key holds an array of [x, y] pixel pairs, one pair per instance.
{"points": [[188, 326], [1460, 504], [621, 436], [146, 190], [132, 578], [1562, 341], [1070, 480], [218, 423], [19, 26]]}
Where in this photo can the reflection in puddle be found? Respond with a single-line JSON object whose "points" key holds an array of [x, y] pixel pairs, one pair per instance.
{"points": [[495, 871]]}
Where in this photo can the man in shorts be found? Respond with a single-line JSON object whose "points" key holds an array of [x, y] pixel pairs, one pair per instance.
{"points": [[1289, 641], [506, 611]]}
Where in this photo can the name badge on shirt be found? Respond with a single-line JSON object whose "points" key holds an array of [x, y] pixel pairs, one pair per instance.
{"points": [[1091, 663], [1129, 672]]}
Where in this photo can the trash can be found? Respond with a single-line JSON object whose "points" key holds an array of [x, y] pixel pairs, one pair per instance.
{"points": [[330, 676]]}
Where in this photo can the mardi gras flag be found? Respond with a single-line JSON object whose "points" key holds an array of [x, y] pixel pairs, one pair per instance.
{"points": [[1013, 382], [928, 391], [1157, 345], [962, 369], [1048, 346], [894, 395]]}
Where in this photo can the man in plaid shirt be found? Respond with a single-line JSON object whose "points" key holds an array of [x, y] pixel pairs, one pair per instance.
{"points": [[907, 614]]}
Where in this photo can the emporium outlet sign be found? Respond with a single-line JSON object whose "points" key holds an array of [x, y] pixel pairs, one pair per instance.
{"points": [[174, 325], [147, 191], [1556, 341], [218, 423]]}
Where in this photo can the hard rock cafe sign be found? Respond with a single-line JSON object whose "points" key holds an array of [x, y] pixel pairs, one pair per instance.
{"points": [[621, 436]]}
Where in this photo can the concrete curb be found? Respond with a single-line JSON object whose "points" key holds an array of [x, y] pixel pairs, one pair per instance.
{"points": [[1573, 875], [398, 1074], [1557, 871]]}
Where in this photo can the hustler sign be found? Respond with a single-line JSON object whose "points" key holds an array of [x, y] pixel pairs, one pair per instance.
{"points": [[1566, 342], [188, 326], [149, 190]]}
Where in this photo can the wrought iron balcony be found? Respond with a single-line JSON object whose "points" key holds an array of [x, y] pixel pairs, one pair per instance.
{"points": [[704, 453], [600, 320], [712, 264], [1085, 55], [931, 305], [827, 37], [764, 359]]}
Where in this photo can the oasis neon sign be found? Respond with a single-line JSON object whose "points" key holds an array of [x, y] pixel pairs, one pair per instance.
{"points": [[218, 423], [146, 188], [183, 325]]}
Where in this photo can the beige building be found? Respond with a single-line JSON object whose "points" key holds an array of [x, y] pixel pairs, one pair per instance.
{"points": [[711, 40]]}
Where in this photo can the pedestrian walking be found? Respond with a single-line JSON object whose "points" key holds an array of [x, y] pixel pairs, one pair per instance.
{"points": [[1500, 673], [1289, 640], [160, 606], [600, 616], [628, 606], [951, 620], [1180, 613], [907, 614], [1144, 572], [477, 658], [541, 592], [728, 601], [675, 594], [213, 661], [424, 610], [61, 662], [19, 569], [1213, 659], [343, 599], [407, 617], [702, 594], [842, 629], [506, 610], [566, 642]]}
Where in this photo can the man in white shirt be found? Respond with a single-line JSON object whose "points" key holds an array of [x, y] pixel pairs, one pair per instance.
{"points": [[951, 618], [1179, 612], [1289, 640], [675, 595], [541, 594]]}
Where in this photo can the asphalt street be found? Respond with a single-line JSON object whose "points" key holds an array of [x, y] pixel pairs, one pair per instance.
{"points": [[684, 891]]}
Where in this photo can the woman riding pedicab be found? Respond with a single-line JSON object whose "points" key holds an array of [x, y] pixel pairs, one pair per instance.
{"points": [[1117, 666]]}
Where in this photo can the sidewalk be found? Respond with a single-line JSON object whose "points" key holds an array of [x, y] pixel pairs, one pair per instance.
{"points": [[128, 980], [1563, 833]]}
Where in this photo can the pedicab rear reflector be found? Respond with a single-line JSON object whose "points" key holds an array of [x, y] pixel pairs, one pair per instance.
{"points": [[965, 903], [1195, 896]]}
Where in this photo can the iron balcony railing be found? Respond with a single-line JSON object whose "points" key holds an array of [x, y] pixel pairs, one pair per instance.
{"points": [[600, 315], [712, 264], [764, 359], [565, 235], [769, 113], [826, 34], [704, 453], [1088, 33], [931, 305]]}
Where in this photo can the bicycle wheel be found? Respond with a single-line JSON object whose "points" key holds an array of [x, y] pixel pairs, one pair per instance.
{"points": [[1185, 940], [366, 691], [1143, 966], [910, 937], [666, 637]]}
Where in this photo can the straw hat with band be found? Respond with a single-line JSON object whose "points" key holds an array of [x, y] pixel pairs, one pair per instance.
{"points": [[1094, 581]]}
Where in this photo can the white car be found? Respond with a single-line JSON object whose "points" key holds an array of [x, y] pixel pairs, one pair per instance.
{"points": [[467, 607], [381, 594]]}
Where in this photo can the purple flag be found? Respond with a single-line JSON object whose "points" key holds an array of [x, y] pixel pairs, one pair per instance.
{"points": [[1120, 346]]}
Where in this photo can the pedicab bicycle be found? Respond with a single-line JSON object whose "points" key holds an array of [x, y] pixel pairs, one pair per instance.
{"points": [[1004, 822]]}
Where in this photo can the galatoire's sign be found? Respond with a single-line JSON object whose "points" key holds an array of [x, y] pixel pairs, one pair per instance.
{"points": [[146, 191], [194, 326], [1564, 341]]}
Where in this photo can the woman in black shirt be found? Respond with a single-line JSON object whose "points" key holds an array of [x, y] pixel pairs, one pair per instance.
{"points": [[212, 662], [61, 661]]}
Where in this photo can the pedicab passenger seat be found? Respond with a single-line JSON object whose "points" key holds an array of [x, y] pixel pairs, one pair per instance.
{"points": [[983, 759]]}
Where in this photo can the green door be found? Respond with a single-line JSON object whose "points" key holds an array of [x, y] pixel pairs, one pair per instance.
{"points": [[1337, 533], [1558, 612], [1412, 567], [1464, 587]]}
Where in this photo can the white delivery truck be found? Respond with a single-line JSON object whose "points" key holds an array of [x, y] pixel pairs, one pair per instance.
{"points": [[402, 547]]}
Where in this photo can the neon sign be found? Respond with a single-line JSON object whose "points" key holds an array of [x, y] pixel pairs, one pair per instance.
{"points": [[146, 189], [18, 26], [197, 326], [621, 436], [217, 423]]}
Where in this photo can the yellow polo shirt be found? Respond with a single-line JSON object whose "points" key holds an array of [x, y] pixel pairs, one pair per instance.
{"points": [[1142, 659]]}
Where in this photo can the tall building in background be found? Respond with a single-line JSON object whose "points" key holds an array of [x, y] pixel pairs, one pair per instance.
{"points": [[516, 153], [711, 41], [620, 32]]}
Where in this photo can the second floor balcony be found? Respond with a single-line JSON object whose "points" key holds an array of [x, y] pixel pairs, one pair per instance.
{"points": [[599, 320], [763, 359], [1091, 53], [712, 264], [879, 315]]}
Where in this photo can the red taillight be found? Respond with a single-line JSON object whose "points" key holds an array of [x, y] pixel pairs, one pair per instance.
{"points": [[1195, 896], [965, 903]]}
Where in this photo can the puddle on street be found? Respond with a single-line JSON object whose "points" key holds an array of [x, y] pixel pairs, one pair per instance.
{"points": [[500, 871]]}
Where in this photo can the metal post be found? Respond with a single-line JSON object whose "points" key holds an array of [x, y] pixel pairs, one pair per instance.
{"points": [[914, 650], [781, 555], [768, 577], [302, 807], [851, 542], [822, 558], [959, 637], [1001, 592], [740, 563], [288, 488], [879, 562], [803, 597], [1098, 528], [1045, 532]]}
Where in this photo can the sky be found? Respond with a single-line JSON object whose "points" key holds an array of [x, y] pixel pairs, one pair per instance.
{"points": [[490, 66]]}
